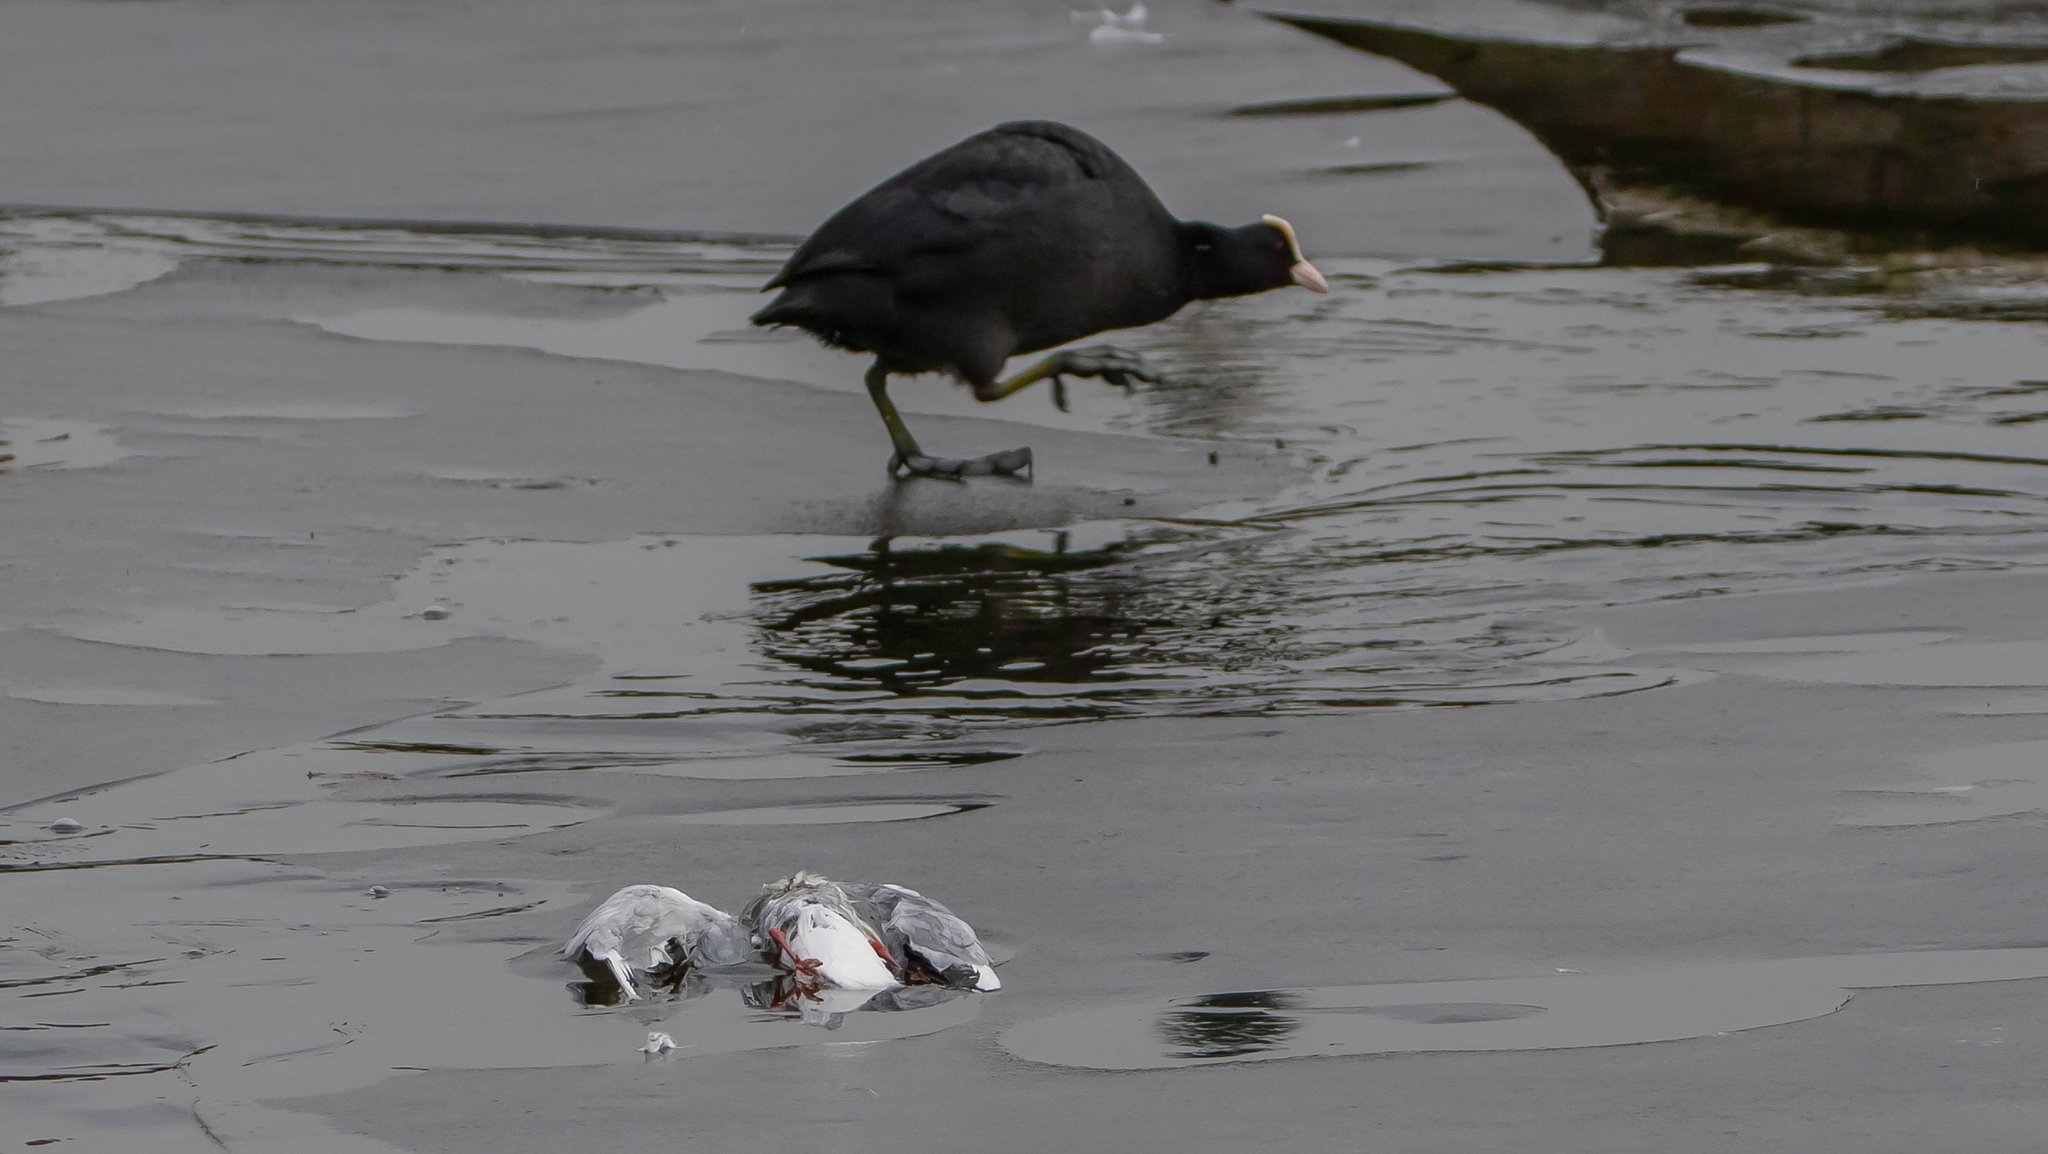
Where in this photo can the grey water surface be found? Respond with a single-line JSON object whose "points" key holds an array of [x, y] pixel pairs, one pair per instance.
{"points": [[408, 542]]}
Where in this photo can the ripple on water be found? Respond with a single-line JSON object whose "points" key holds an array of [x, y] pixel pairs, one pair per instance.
{"points": [[1558, 1011]]}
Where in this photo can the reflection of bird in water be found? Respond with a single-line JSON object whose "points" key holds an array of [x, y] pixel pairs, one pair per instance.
{"points": [[918, 619], [647, 927], [856, 936], [1230, 1025], [1020, 238]]}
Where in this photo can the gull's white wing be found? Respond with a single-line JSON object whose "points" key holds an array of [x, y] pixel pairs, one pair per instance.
{"points": [[845, 957], [631, 930]]}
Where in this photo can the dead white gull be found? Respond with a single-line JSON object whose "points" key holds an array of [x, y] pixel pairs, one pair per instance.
{"points": [[816, 930], [829, 935], [646, 927]]}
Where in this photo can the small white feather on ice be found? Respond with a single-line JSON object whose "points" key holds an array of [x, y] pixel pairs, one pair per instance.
{"points": [[1128, 28]]}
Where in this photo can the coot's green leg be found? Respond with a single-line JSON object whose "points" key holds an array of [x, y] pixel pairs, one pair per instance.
{"points": [[1114, 365], [909, 460], [899, 433]]}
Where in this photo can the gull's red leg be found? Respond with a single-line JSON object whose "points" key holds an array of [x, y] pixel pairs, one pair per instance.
{"points": [[802, 965], [882, 952]]}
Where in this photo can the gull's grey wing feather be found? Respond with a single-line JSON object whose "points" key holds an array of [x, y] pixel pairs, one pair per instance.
{"points": [[633, 929], [913, 924]]}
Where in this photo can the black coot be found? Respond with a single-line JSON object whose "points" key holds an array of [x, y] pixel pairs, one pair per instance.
{"points": [[1026, 236]]}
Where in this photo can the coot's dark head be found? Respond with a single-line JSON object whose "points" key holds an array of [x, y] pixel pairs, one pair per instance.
{"points": [[1229, 262]]}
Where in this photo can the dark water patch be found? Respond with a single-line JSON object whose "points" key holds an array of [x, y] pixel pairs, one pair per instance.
{"points": [[936, 759], [1913, 54], [1556, 1011], [1739, 16], [1342, 105], [832, 814], [424, 748], [1878, 413], [1371, 168], [1229, 1025]]}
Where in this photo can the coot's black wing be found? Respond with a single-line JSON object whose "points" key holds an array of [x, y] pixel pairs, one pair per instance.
{"points": [[988, 190]]}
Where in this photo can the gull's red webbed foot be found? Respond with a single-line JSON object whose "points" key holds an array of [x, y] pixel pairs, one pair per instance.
{"points": [[806, 967]]}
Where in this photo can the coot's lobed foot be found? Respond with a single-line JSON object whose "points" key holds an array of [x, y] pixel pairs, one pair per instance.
{"points": [[1119, 367], [1009, 463]]}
